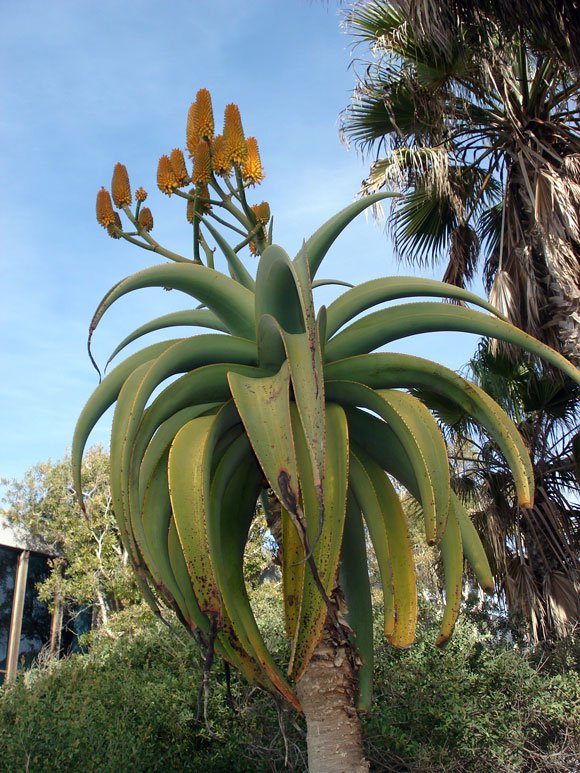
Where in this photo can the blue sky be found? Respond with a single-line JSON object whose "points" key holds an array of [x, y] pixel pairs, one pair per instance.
{"points": [[84, 85]]}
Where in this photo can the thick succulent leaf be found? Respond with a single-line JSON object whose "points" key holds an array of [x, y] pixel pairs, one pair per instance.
{"points": [[366, 497], [354, 582], [187, 354], [452, 555], [418, 434], [228, 299], [429, 441], [186, 318], [380, 442], [179, 569], [151, 529], [264, 407], [404, 578], [369, 294], [326, 551], [189, 392], [189, 483], [271, 349], [392, 370], [102, 399], [293, 567], [238, 271], [283, 292], [322, 240], [163, 438], [473, 549], [382, 327], [235, 487], [278, 291], [118, 469]]}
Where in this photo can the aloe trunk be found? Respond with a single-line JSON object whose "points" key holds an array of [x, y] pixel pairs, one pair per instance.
{"points": [[327, 696]]}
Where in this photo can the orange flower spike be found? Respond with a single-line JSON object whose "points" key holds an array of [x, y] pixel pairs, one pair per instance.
{"points": [[262, 212], [166, 180], [191, 138], [219, 160], [178, 165], [200, 123], [202, 164], [190, 207], [105, 212], [120, 187], [235, 142], [204, 123], [146, 219], [114, 229], [252, 171], [141, 195], [203, 200]]}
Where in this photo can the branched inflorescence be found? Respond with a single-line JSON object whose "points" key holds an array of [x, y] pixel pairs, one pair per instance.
{"points": [[215, 177]]}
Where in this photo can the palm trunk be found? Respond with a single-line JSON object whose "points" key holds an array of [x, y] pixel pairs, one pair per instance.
{"points": [[327, 694]]}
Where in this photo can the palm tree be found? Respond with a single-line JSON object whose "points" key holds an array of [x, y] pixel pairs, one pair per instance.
{"points": [[291, 399], [536, 551], [549, 25], [480, 133]]}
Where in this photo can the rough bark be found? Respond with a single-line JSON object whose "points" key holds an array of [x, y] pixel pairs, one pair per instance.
{"points": [[327, 695]]}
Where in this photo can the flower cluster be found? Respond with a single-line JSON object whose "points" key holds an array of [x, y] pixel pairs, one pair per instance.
{"points": [[215, 171]]}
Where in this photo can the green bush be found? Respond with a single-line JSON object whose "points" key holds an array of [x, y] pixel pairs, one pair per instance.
{"points": [[131, 705]]}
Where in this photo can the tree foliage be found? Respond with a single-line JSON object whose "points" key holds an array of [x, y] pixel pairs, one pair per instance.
{"points": [[480, 132], [90, 567]]}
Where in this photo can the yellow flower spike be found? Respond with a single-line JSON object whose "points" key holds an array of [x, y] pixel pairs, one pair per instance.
{"points": [[190, 207], [191, 138], [262, 212], [201, 164], [167, 182], [141, 194], [253, 248], [200, 123], [146, 219], [219, 159], [235, 142], [204, 123], [105, 211], [114, 229], [120, 187], [178, 165], [203, 193], [252, 171]]}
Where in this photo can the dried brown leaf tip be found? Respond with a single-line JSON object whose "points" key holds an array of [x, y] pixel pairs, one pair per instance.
{"points": [[167, 182], [200, 121], [201, 164], [146, 219], [120, 187], [252, 172], [105, 212], [235, 142], [141, 194], [178, 165], [219, 159]]}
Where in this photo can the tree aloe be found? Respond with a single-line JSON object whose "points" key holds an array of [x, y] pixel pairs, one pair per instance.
{"points": [[292, 400]]}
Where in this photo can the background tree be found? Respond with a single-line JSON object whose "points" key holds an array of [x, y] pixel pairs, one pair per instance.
{"points": [[536, 551], [480, 132], [279, 398], [91, 565]]}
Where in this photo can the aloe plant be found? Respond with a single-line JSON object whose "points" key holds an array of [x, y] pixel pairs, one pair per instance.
{"points": [[298, 402]]}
